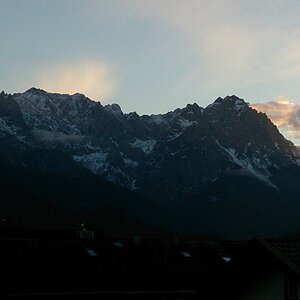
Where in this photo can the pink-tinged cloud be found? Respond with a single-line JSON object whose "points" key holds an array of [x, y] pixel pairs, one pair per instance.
{"points": [[285, 114], [89, 77]]}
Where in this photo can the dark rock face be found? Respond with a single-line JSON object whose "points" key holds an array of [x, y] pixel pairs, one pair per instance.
{"points": [[180, 150], [168, 158]]}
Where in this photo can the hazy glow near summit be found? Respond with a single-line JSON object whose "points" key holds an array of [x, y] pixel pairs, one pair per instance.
{"points": [[91, 78], [154, 56]]}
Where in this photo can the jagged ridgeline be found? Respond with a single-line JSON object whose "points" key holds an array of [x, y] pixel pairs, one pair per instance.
{"points": [[221, 170]]}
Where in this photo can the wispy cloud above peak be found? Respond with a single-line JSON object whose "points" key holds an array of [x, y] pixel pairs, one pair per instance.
{"points": [[90, 77], [234, 41]]}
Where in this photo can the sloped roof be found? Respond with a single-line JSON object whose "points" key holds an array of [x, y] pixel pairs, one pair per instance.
{"points": [[289, 248], [96, 265], [257, 258], [287, 251]]}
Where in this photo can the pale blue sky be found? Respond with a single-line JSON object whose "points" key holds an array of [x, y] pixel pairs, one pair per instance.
{"points": [[153, 56]]}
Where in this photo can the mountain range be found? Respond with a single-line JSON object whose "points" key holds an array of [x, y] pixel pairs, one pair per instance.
{"points": [[223, 170]]}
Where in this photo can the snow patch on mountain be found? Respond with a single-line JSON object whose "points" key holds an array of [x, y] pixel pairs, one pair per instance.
{"points": [[95, 162], [90, 146], [263, 174], [184, 123], [157, 119], [130, 163], [146, 146], [7, 127], [239, 103], [174, 136]]}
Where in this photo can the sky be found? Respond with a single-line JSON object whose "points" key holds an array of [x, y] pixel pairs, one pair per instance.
{"points": [[153, 56]]}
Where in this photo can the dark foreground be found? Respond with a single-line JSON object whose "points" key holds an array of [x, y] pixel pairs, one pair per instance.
{"points": [[85, 265], [89, 265]]}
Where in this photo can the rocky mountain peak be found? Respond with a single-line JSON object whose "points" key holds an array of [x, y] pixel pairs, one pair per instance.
{"points": [[114, 109], [234, 98], [134, 150], [35, 91], [228, 103], [193, 109]]}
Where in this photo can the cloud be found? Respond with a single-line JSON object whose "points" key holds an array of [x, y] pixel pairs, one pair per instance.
{"points": [[285, 114], [253, 41], [92, 78], [209, 25]]}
